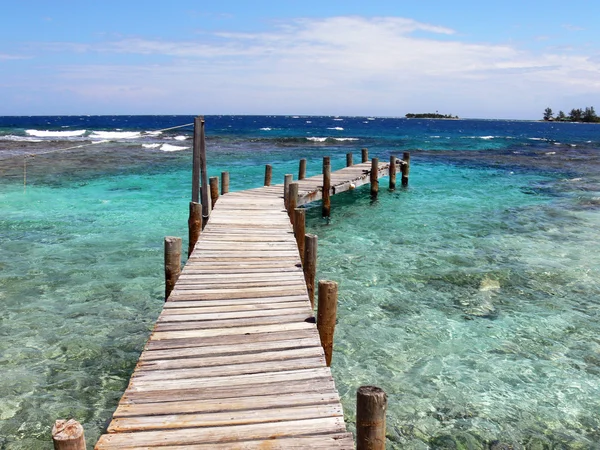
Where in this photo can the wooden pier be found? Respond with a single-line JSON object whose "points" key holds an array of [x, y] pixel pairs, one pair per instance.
{"points": [[235, 360]]}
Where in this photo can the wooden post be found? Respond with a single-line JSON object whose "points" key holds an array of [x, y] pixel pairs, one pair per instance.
{"points": [[214, 191], [199, 123], [224, 183], [326, 186], [194, 226], [172, 263], [349, 162], [302, 169], [365, 154], [68, 435], [310, 266], [292, 200], [374, 177], [196, 162], [392, 172], [326, 315], [405, 168], [300, 230], [268, 174], [371, 406], [287, 179]]}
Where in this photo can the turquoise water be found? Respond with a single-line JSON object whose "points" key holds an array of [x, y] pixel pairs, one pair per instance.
{"points": [[471, 297]]}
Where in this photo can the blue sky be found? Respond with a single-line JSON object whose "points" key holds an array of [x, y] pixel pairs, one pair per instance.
{"points": [[506, 59]]}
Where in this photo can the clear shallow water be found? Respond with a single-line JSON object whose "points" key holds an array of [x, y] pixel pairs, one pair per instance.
{"points": [[471, 297]]}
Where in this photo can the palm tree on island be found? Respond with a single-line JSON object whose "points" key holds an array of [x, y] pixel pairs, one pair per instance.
{"points": [[587, 115]]}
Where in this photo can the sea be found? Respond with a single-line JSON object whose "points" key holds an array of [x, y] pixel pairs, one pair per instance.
{"points": [[471, 296]]}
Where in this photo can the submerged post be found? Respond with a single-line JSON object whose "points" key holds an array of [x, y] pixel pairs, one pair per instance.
{"points": [[326, 186], [405, 168], [349, 161], [68, 435], [302, 169], [199, 129], [194, 226], [172, 263], [287, 179], [374, 177], [310, 266], [371, 406], [392, 172], [292, 200], [214, 191], [224, 182], [268, 174], [326, 316], [365, 154], [300, 230]]}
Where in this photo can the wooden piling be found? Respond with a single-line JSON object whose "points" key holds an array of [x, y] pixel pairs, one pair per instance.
{"points": [[300, 230], [287, 179], [268, 174], [194, 226], [374, 177], [310, 266], [349, 161], [371, 406], [172, 263], [392, 172], [365, 154], [214, 191], [224, 183], [326, 196], [196, 163], [326, 316], [302, 169], [206, 205], [405, 168], [68, 435], [292, 200]]}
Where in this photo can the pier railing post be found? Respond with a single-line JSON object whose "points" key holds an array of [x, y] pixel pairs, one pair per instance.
{"points": [[300, 230], [392, 172], [310, 266], [326, 186], [68, 435], [349, 161], [224, 183], [371, 406], [194, 226], [374, 177], [405, 168], [287, 179], [326, 316], [365, 154], [268, 174], [172, 263], [196, 162], [199, 125], [292, 200], [214, 191], [302, 169]]}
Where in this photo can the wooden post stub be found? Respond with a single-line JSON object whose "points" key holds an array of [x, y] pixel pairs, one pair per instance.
{"points": [[196, 162], [326, 316], [214, 191], [224, 183], [172, 263], [287, 179], [326, 195], [68, 435], [194, 226], [371, 406], [310, 266], [302, 169], [292, 200], [374, 177], [205, 200], [300, 230], [268, 174], [349, 161], [365, 154], [392, 172], [405, 168]]}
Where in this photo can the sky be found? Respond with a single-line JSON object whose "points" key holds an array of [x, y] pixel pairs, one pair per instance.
{"points": [[477, 59]]}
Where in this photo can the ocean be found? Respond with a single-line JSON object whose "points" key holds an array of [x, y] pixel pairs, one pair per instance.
{"points": [[472, 297]]}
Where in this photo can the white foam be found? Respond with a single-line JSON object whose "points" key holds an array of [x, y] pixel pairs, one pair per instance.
{"points": [[550, 153], [266, 129], [486, 138], [153, 133], [172, 148], [150, 145], [338, 119], [346, 139], [115, 135], [370, 118], [47, 133], [180, 138], [310, 121], [12, 137], [317, 139], [336, 128]]}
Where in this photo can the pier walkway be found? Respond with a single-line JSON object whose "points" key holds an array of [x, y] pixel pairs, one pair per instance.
{"points": [[235, 359]]}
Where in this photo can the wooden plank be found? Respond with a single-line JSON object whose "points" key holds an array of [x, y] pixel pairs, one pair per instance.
{"points": [[224, 324]]}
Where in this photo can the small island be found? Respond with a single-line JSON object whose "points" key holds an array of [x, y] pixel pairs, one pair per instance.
{"points": [[434, 115], [587, 115]]}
